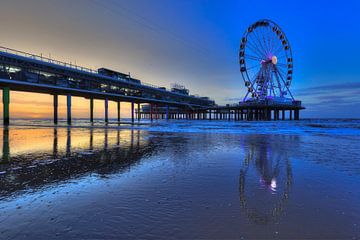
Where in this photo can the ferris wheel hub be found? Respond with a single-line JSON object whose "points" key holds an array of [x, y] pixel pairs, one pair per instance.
{"points": [[274, 60]]}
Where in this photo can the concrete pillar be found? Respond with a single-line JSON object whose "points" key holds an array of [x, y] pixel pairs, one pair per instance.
{"points": [[56, 103], [6, 105], [139, 112], [68, 104], [132, 112], [156, 112], [167, 112], [106, 110], [118, 111], [91, 110], [297, 114], [151, 111], [268, 114], [283, 115]]}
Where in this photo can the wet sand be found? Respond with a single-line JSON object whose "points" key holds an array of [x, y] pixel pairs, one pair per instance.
{"points": [[121, 183]]}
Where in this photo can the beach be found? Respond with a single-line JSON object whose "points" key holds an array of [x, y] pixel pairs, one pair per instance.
{"points": [[180, 180]]}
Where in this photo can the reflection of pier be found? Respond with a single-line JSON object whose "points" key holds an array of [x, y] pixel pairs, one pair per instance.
{"points": [[65, 162], [266, 173]]}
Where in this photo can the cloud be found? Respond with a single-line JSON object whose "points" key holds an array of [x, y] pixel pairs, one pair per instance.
{"points": [[330, 89], [332, 99], [234, 99]]}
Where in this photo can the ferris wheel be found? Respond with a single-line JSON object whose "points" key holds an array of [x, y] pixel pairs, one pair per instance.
{"points": [[266, 62]]}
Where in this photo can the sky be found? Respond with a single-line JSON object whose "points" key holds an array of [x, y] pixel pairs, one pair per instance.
{"points": [[190, 42]]}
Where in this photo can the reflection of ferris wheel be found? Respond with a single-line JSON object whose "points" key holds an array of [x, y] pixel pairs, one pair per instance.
{"points": [[266, 62], [269, 168]]}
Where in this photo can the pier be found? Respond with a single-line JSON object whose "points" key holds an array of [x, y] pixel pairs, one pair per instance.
{"points": [[235, 112], [21, 71]]}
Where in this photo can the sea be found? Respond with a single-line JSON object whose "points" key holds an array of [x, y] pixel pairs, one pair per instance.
{"points": [[180, 179]]}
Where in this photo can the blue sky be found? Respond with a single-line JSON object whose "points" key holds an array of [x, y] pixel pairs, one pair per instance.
{"points": [[196, 43]]}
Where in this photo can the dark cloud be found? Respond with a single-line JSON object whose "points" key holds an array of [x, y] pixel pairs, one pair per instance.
{"points": [[330, 89]]}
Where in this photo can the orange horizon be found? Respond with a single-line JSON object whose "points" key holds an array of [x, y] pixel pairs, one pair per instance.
{"points": [[38, 105]]}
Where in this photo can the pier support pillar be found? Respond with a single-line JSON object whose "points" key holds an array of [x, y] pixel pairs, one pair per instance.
{"points": [[283, 114], [68, 104], [297, 114], [91, 110], [290, 114], [56, 103], [118, 111], [276, 115], [268, 114], [6, 104], [167, 112], [139, 112], [106, 110], [132, 112], [151, 111], [156, 112]]}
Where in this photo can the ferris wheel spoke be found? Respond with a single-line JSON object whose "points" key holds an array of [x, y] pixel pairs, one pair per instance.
{"points": [[278, 50], [281, 71], [252, 67], [270, 40], [262, 36], [285, 84], [281, 64], [273, 41], [281, 57], [262, 42], [259, 42], [252, 57], [255, 50]]}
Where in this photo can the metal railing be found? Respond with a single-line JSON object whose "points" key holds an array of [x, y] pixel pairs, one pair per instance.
{"points": [[46, 59]]}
